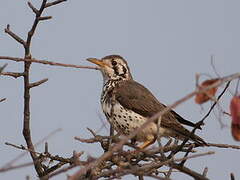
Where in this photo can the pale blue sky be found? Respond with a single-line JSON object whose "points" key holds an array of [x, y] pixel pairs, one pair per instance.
{"points": [[165, 43]]}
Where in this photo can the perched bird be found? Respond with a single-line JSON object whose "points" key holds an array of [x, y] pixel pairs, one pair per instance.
{"points": [[128, 104]]}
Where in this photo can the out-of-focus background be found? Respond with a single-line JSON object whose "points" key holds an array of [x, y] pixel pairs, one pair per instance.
{"points": [[165, 43]]}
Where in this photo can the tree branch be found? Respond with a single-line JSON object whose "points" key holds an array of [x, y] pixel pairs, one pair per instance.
{"points": [[35, 145], [201, 121], [33, 8], [32, 60], [14, 36], [4, 169], [54, 3], [12, 74], [2, 68], [3, 99], [119, 145], [31, 85]]}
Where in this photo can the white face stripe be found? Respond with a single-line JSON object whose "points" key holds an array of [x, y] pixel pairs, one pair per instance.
{"points": [[117, 69]]}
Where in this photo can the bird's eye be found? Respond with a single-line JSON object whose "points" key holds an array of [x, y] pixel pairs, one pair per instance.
{"points": [[114, 63]]}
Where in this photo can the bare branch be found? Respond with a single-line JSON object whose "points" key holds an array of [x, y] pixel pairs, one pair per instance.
{"points": [[157, 177], [205, 171], [31, 85], [44, 18], [116, 160], [224, 146], [14, 36], [1, 100], [35, 145], [54, 3], [46, 62], [15, 167], [190, 172], [12, 74], [60, 171], [202, 120], [147, 168], [232, 176], [43, 155], [33, 8], [2, 68], [119, 145], [33, 28]]}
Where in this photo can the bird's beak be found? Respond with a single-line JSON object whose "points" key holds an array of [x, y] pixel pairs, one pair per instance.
{"points": [[97, 62]]}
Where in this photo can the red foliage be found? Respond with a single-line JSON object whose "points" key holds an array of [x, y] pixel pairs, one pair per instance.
{"points": [[201, 98], [235, 113]]}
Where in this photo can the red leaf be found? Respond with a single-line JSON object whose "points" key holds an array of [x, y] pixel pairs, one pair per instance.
{"points": [[235, 113], [236, 131], [205, 96]]}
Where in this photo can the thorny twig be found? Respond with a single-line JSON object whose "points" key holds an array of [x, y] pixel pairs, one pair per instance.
{"points": [[3, 99], [119, 145], [200, 122], [115, 156], [46, 62], [4, 169], [125, 159], [27, 85], [12, 74], [2, 68], [10, 163]]}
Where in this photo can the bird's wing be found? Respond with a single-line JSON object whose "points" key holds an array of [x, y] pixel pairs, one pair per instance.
{"points": [[139, 99]]}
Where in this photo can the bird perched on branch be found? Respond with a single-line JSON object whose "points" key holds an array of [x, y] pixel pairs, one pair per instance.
{"points": [[127, 105]]}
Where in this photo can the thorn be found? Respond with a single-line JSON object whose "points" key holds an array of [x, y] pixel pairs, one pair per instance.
{"points": [[31, 85], [46, 148]]}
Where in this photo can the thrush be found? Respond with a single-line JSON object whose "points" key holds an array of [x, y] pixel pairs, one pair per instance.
{"points": [[127, 105]]}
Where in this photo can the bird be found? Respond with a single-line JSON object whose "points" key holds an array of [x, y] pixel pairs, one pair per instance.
{"points": [[127, 105]]}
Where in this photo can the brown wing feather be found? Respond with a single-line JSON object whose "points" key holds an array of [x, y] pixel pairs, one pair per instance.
{"points": [[132, 95], [137, 98]]}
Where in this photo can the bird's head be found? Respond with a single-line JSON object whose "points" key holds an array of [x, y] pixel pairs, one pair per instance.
{"points": [[113, 67]]}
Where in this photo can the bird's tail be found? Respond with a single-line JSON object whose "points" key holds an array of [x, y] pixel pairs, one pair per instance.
{"points": [[198, 140]]}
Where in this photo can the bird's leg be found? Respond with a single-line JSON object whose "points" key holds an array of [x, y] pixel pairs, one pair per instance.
{"points": [[147, 143], [111, 135]]}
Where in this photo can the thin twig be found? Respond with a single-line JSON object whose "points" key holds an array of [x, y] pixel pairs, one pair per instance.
{"points": [[3, 99], [32, 60], [14, 36], [157, 177], [119, 145], [232, 176], [2, 68], [190, 172], [12, 74], [33, 8], [54, 3], [186, 154], [44, 18], [60, 171], [35, 145], [237, 85], [15, 167], [26, 115], [200, 122], [43, 155], [31, 85], [218, 98], [213, 66], [155, 165], [224, 146], [205, 171]]}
